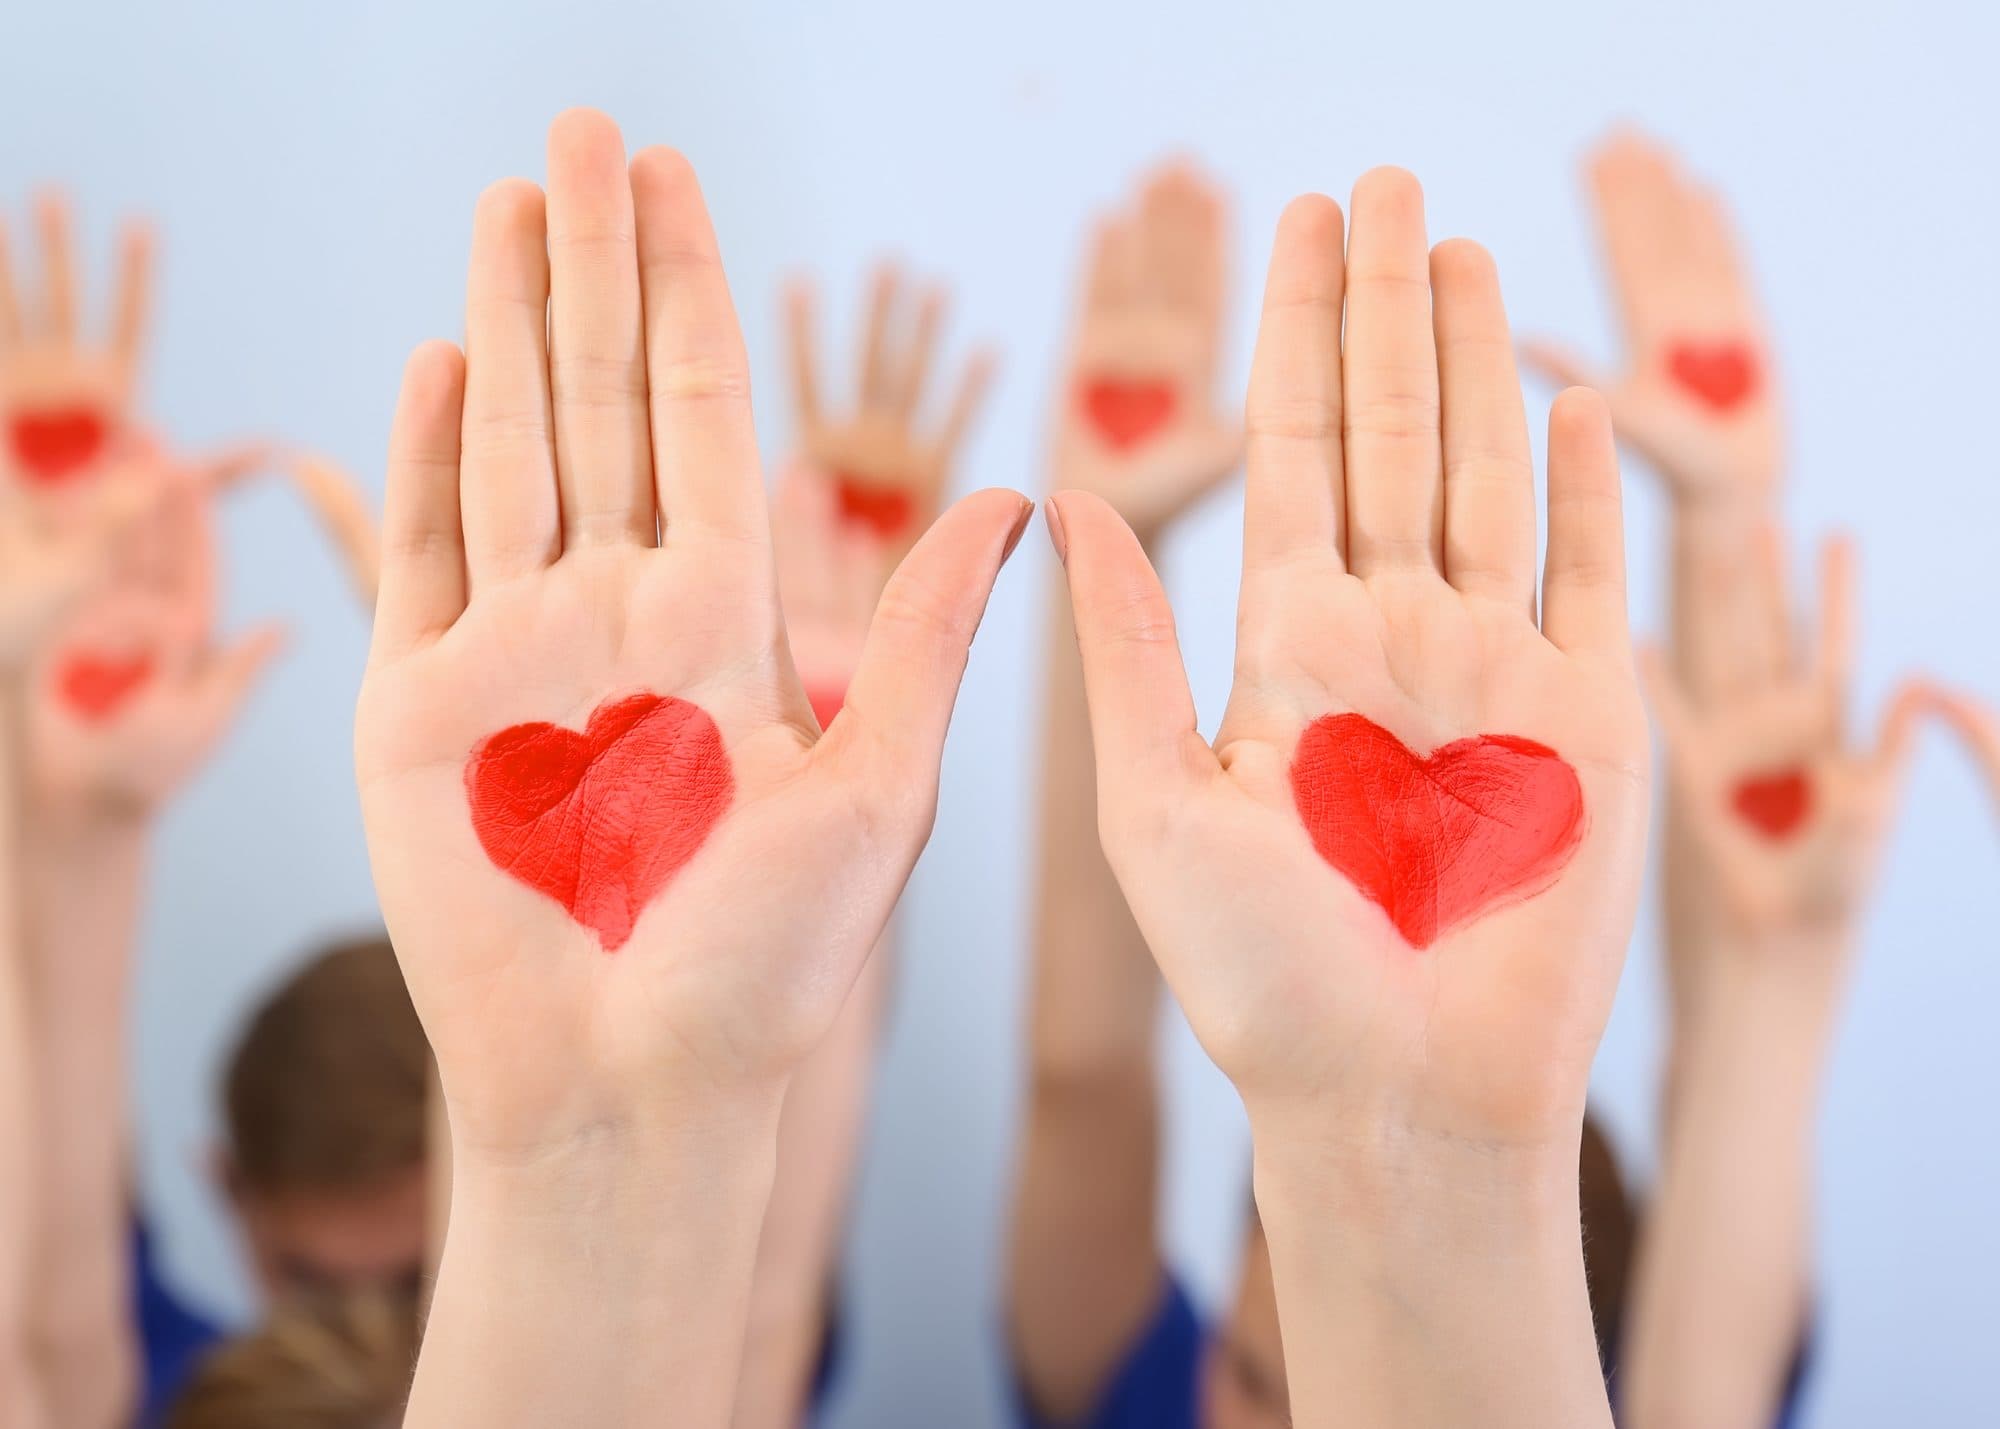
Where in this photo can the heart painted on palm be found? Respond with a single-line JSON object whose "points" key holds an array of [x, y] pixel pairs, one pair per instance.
{"points": [[1721, 375], [1436, 841], [601, 820], [95, 687], [54, 444], [884, 510], [1776, 805], [1126, 413]]}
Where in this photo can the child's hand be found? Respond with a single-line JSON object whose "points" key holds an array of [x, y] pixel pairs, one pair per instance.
{"points": [[1788, 809], [66, 402], [1699, 396], [48, 565], [1398, 888], [132, 693], [624, 871], [1136, 421], [887, 469]]}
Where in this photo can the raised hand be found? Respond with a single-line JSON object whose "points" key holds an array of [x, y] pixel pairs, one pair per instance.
{"points": [[65, 400], [132, 691], [629, 879], [48, 566], [1394, 897], [1698, 398], [1788, 808], [886, 466], [1136, 420]]}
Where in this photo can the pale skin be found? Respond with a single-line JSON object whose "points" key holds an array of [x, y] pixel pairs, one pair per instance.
{"points": [[1084, 1267], [1757, 931], [1415, 1116], [831, 570], [1979, 726], [93, 790], [1721, 1290], [614, 1117], [46, 569]]}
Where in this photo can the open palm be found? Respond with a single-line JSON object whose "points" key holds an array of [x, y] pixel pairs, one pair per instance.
{"points": [[1436, 940], [608, 840]]}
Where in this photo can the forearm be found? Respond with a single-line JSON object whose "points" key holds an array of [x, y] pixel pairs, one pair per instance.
{"points": [[1724, 1267], [18, 1393], [607, 1284], [819, 1142], [1428, 1286], [83, 918], [1084, 1265]]}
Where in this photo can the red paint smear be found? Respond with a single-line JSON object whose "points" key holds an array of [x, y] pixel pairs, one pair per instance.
{"points": [[1776, 805], [53, 445], [826, 701], [885, 510], [601, 821], [96, 687], [1722, 375], [1435, 842], [1127, 413]]}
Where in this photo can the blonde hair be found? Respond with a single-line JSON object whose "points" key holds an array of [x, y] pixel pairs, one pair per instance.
{"points": [[333, 1363]]}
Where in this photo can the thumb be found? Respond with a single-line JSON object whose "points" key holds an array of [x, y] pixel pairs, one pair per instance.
{"points": [[224, 681], [905, 684], [1561, 365], [1141, 711], [343, 513]]}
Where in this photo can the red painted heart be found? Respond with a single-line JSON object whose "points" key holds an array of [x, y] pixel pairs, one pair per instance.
{"points": [[1721, 375], [1128, 413], [1435, 841], [96, 687], [53, 445], [884, 510], [1776, 805], [601, 821]]}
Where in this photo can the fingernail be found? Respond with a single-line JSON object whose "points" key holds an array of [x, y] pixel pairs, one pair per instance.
{"points": [[1057, 536], [1020, 525]]}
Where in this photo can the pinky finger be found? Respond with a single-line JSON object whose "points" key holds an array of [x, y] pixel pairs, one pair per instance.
{"points": [[1583, 581], [422, 584]]}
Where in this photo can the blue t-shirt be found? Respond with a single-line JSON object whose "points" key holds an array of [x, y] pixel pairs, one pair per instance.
{"points": [[172, 1335], [1158, 1386]]}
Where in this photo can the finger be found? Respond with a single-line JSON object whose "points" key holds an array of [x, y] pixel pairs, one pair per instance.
{"points": [[1489, 469], [906, 375], [342, 511], [133, 301], [1638, 216], [10, 296], [597, 340], [1583, 583], [224, 681], [1773, 592], [423, 586], [1563, 366], [799, 325], [704, 440], [1977, 725], [973, 386], [875, 360], [1897, 738], [1393, 454], [507, 487], [59, 297], [1294, 494], [1142, 716], [1113, 278], [1833, 656], [900, 700], [230, 467]]}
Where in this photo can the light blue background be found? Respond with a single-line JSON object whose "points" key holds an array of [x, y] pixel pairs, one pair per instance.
{"points": [[313, 170]]}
